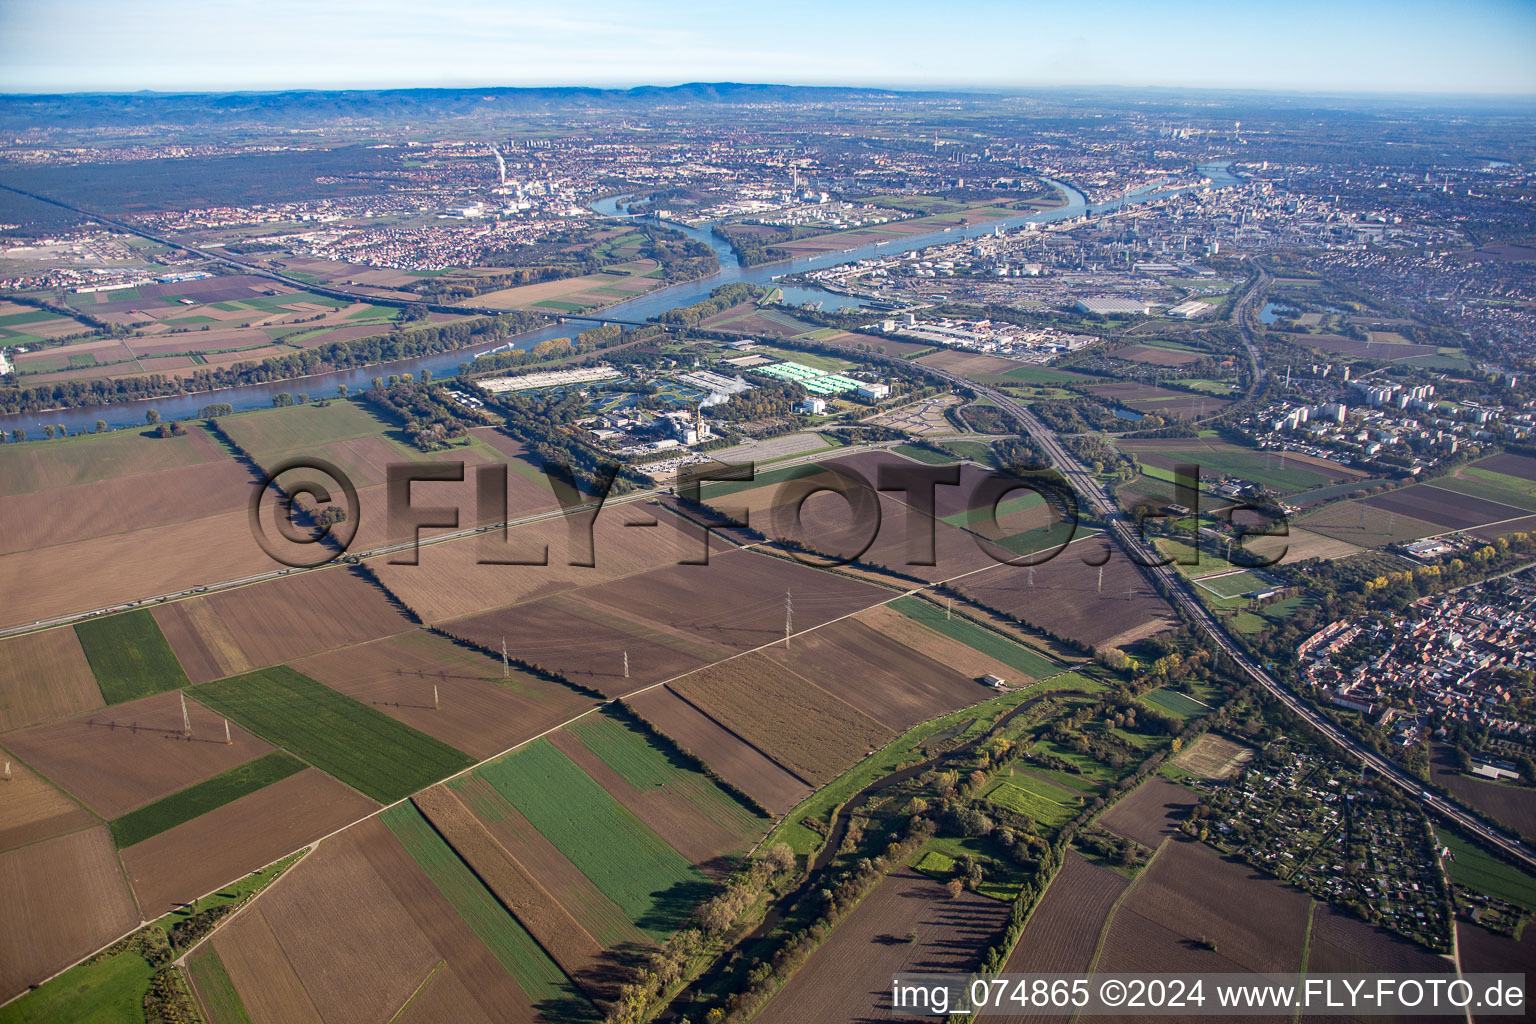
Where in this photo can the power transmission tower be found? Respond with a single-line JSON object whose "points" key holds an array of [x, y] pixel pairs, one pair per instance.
{"points": [[1101, 579], [506, 664], [1031, 575], [228, 739], [186, 719], [626, 664], [7, 771], [789, 615], [948, 606]]}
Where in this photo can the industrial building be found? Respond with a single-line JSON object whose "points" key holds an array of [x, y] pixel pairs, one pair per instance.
{"points": [[1111, 305]]}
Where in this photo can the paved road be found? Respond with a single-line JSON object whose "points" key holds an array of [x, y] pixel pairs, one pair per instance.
{"points": [[1179, 590]]}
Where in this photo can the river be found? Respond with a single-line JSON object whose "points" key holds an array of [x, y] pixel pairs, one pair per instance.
{"points": [[644, 307]]}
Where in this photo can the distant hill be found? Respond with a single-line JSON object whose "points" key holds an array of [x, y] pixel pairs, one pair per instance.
{"points": [[385, 106]]}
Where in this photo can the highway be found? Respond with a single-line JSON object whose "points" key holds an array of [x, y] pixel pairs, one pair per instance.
{"points": [[1179, 590]]}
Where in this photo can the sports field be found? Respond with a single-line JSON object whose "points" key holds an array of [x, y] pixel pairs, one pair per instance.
{"points": [[362, 747]]}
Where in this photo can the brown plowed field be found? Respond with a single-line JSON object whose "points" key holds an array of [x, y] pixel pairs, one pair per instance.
{"points": [[123, 757], [443, 998], [123, 504], [194, 858], [736, 761], [1064, 930], [31, 467], [60, 900], [736, 602], [480, 712], [803, 727], [1522, 466], [1512, 806], [967, 661], [32, 810], [574, 891], [708, 845], [849, 977], [44, 676], [1493, 532], [1189, 893], [1066, 598], [1483, 951], [261, 972], [362, 924], [966, 363], [1449, 510], [1155, 356], [121, 567], [1152, 812], [585, 644], [235, 631], [1342, 943], [891, 683], [449, 582], [551, 925]]}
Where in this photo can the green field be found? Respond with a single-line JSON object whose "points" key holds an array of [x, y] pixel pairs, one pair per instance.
{"points": [[362, 747], [1035, 664], [1491, 486], [1043, 375], [927, 455], [210, 794], [1173, 703], [129, 656], [635, 756], [108, 992], [89, 458], [976, 451], [216, 990], [1481, 871], [1043, 801], [629, 863], [536, 974]]}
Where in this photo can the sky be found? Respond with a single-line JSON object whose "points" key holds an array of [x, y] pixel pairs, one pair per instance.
{"points": [[1393, 46]]}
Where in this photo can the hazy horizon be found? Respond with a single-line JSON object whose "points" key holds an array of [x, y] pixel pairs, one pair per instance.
{"points": [[1412, 47]]}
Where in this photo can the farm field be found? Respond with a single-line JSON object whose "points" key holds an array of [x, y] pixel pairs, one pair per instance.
{"points": [[1483, 950], [1366, 526], [32, 810], [122, 757], [1298, 545], [93, 458], [616, 283], [895, 685], [1153, 400], [969, 637], [1173, 702], [1063, 931], [1154, 356], [67, 514], [43, 676], [733, 759], [129, 656], [450, 583], [1212, 757], [575, 951], [650, 881], [210, 794], [1188, 894], [536, 974], [194, 857], [1285, 472], [848, 977], [797, 723], [235, 631], [596, 913], [60, 900], [1065, 597], [359, 745], [1481, 871], [210, 981], [1151, 813], [352, 931], [1025, 793], [1447, 509], [968, 363], [116, 568], [479, 711], [703, 822], [1512, 806]]}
